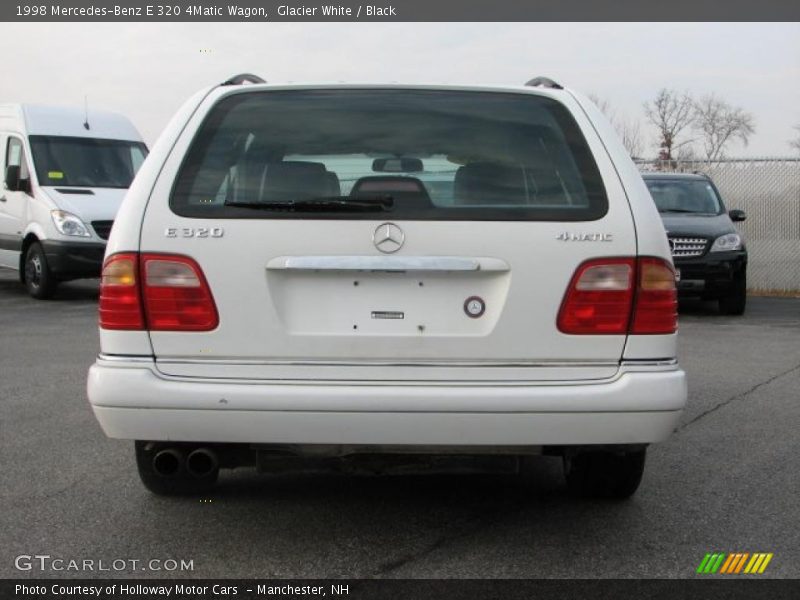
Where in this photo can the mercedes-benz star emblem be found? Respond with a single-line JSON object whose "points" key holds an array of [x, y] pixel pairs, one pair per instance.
{"points": [[388, 238]]}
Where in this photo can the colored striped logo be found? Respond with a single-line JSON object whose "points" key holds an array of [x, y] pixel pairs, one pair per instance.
{"points": [[734, 563]]}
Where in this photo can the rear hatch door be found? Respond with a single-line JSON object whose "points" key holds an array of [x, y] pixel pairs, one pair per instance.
{"points": [[486, 203]]}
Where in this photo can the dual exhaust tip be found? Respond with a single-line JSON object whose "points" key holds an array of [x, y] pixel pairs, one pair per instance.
{"points": [[199, 463]]}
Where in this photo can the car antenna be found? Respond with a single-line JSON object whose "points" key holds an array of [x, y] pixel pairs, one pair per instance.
{"points": [[86, 112]]}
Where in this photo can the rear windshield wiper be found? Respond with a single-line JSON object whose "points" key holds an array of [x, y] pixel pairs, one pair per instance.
{"points": [[323, 204]]}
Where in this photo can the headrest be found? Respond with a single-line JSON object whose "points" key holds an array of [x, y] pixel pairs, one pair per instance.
{"points": [[490, 183], [334, 186]]}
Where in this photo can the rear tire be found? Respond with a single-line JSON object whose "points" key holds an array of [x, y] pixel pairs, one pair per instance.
{"points": [[179, 484], [39, 280], [734, 303], [610, 475]]}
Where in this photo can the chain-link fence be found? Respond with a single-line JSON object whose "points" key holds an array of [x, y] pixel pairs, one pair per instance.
{"points": [[768, 190]]}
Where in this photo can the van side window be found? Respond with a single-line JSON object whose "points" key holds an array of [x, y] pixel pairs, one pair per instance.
{"points": [[15, 157]]}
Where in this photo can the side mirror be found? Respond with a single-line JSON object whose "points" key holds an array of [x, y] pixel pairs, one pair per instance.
{"points": [[737, 215], [12, 178]]}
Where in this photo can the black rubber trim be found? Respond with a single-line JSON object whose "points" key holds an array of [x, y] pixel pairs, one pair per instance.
{"points": [[78, 191], [74, 260], [11, 242]]}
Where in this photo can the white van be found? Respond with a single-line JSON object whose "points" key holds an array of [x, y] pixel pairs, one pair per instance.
{"points": [[337, 271], [65, 172]]}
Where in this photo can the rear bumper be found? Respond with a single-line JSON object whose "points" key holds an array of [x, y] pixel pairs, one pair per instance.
{"points": [[134, 401], [74, 260], [710, 276]]}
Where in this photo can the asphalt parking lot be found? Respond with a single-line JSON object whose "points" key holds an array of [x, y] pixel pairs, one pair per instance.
{"points": [[726, 481]]}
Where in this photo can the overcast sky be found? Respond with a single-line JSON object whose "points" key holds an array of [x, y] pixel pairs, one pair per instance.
{"points": [[147, 70]]}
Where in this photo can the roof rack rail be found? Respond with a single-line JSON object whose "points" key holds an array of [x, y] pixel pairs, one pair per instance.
{"points": [[544, 82], [243, 78]]}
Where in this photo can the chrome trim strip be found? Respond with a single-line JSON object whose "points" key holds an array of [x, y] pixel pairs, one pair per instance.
{"points": [[380, 363], [664, 362], [442, 383], [648, 362], [385, 263], [122, 358]]}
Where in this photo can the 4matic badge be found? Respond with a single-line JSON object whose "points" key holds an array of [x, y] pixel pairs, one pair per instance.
{"points": [[568, 236]]}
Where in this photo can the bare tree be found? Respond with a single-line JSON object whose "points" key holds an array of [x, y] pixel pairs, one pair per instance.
{"points": [[795, 143], [672, 113], [686, 153], [719, 124], [629, 130]]}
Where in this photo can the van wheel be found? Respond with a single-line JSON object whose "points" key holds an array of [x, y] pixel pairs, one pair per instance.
{"points": [[39, 280], [734, 303], [162, 469], [612, 475]]}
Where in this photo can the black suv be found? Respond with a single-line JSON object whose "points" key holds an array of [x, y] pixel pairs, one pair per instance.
{"points": [[709, 254]]}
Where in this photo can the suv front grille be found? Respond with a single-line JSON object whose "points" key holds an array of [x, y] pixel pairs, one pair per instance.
{"points": [[102, 228], [686, 247]]}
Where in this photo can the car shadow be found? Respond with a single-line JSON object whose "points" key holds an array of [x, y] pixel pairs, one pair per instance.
{"points": [[84, 289], [81, 290], [542, 478], [697, 307]]}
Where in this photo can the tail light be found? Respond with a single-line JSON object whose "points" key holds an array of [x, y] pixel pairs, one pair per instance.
{"points": [[176, 295], [616, 296], [656, 308], [166, 292], [599, 298], [120, 298]]}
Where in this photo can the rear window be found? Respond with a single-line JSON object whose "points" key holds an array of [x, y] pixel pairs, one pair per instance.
{"points": [[399, 154]]}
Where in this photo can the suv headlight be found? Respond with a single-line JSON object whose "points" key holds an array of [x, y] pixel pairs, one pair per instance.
{"points": [[729, 241], [69, 224]]}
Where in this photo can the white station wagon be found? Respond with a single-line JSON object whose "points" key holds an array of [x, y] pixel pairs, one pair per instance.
{"points": [[306, 273]]}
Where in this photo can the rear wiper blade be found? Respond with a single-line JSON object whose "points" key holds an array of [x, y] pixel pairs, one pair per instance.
{"points": [[326, 203]]}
